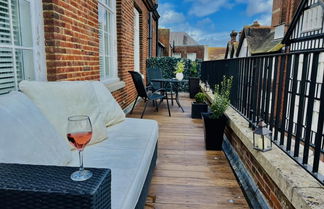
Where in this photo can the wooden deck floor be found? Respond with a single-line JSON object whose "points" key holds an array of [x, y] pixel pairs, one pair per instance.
{"points": [[188, 176]]}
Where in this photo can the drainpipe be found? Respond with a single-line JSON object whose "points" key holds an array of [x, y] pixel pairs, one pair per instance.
{"points": [[150, 34], [157, 36]]}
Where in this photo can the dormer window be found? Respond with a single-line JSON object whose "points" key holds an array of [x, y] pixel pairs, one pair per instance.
{"points": [[313, 19]]}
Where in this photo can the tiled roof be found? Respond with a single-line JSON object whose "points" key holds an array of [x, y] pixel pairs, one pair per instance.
{"points": [[260, 39], [215, 53]]}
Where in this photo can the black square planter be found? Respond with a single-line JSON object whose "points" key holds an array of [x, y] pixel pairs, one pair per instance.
{"points": [[214, 131], [197, 109], [194, 87]]}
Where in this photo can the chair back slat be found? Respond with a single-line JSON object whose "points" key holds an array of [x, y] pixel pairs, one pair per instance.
{"points": [[154, 73], [139, 84]]}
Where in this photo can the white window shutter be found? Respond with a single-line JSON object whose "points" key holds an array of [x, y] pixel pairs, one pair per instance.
{"points": [[19, 40], [7, 75]]}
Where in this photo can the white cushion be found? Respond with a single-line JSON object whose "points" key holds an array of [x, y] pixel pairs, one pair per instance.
{"points": [[128, 153], [26, 136], [112, 112], [59, 100]]}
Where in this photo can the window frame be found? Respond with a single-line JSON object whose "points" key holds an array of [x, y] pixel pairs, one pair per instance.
{"points": [[308, 19], [38, 42], [177, 55], [137, 40], [113, 42], [190, 54]]}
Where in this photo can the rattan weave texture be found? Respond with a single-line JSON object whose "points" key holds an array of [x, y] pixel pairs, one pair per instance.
{"points": [[49, 187]]}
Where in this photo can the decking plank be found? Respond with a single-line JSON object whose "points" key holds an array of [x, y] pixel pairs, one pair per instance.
{"points": [[187, 176]]}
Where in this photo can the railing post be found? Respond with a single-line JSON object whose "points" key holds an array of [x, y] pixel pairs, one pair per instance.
{"points": [[280, 88]]}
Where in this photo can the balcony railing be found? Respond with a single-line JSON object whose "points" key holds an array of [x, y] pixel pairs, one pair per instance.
{"points": [[287, 92]]}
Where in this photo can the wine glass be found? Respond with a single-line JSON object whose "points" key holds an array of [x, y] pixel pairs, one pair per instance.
{"points": [[79, 133]]}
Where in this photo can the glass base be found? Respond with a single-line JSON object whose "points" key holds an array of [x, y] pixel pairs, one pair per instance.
{"points": [[81, 175]]}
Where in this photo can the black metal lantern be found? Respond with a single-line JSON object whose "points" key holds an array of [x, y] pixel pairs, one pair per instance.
{"points": [[262, 138], [207, 87]]}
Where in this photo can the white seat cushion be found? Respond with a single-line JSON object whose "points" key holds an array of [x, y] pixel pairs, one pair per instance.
{"points": [[110, 109], [128, 154], [26, 136], [59, 100]]}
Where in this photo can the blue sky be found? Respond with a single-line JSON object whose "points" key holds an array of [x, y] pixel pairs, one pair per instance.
{"points": [[210, 21]]}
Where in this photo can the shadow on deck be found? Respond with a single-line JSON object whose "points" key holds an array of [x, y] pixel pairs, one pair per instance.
{"points": [[188, 176]]}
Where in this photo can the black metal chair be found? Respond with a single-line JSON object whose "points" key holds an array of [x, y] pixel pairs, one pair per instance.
{"points": [[142, 92], [156, 73]]}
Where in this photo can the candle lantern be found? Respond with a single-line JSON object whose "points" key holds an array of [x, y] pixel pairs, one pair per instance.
{"points": [[262, 138], [207, 87]]}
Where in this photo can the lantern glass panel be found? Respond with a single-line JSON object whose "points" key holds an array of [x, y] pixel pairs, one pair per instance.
{"points": [[262, 139]]}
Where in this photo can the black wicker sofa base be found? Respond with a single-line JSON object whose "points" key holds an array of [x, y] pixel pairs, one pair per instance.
{"points": [[142, 200], [50, 187]]}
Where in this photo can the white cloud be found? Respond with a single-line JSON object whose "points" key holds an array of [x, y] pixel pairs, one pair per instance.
{"points": [[177, 22], [211, 39], [204, 29], [172, 17], [255, 7], [202, 8], [169, 16], [206, 23], [202, 36], [265, 19]]}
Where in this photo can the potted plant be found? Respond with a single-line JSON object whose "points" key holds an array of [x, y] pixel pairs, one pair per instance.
{"points": [[199, 106], [194, 79], [179, 69], [215, 121]]}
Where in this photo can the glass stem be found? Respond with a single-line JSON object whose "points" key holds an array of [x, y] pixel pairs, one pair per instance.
{"points": [[81, 160]]}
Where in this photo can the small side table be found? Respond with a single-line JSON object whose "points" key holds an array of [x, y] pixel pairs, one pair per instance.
{"points": [[50, 187]]}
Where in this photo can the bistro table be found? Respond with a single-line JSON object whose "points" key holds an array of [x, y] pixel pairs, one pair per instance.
{"points": [[173, 83]]}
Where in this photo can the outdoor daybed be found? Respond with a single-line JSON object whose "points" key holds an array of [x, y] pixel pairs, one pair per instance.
{"points": [[35, 121]]}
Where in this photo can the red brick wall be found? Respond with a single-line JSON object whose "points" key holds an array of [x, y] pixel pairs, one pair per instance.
{"points": [[125, 42], [292, 8], [184, 50], [274, 196], [71, 39], [277, 17], [283, 11], [164, 38]]}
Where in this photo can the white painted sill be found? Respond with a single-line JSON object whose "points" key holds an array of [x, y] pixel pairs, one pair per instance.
{"points": [[300, 188], [114, 84]]}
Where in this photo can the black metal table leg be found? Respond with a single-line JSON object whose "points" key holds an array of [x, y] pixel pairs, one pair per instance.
{"points": [[177, 97], [177, 100]]}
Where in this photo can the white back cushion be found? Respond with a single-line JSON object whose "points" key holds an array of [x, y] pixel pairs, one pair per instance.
{"points": [[112, 112], [59, 100], [26, 136]]}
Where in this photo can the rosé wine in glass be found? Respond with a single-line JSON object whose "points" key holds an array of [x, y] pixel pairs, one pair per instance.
{"points": [[79, 133], [79, 140]]}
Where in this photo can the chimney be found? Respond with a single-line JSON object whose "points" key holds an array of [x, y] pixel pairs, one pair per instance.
{"points": [[233, 36], [255, 24]]}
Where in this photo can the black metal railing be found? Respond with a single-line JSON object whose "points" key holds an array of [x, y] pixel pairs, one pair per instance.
{"points": [[287, 92]]}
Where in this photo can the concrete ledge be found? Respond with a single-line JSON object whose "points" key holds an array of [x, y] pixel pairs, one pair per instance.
{"points": [[299, 187], [115, 85]]}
